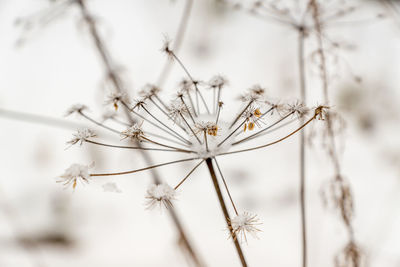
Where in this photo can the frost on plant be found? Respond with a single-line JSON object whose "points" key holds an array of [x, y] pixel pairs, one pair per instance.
{"points": [[74, 174], [81, 136], [194, 127], [160, 195], [244, 223]]}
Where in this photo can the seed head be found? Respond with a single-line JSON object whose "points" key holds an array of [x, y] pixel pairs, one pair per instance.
{"points": [[298, 109], [244, 223], [149, 90], [75, 109], [115, 97], [166, 48], [134, 132], [81, 136], [75, 173], [160, 194], [217, 81], [178, 109], [255, 94]]}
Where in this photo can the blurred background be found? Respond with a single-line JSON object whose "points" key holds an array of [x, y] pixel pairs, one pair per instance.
{"points": [[48, 63]]}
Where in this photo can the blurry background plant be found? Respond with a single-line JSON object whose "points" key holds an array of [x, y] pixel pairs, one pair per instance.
{"points": [[54, 69]]}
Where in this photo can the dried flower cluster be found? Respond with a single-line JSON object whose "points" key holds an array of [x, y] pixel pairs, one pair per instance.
{"points": [[192, 126]]}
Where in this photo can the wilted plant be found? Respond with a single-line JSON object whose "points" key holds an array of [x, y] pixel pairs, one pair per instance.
{"points": [[195, 127]]}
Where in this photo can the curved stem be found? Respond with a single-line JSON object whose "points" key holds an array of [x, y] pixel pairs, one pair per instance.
{"points": [[272, 143], [187, 176], [136, 147], [142, 169]]}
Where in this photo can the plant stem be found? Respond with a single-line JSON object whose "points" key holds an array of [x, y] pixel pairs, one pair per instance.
{"points": [[101, 49], [225, 211], [302, 189]]}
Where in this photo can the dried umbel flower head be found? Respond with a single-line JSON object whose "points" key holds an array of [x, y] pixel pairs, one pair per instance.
{"points": [[81, 136], [115, 97], [75, 173], [160, 195], [254, 94], [194, 126], [217, 81], [76, 109], [244, 223], [134, 132], [298, 109], [149, 90], [178, 111]]}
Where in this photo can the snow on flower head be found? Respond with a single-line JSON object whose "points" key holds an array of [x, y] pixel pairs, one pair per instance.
{"points": [[160, 194], [252, 117], [178, 109], [244, 223], [149, 90], [217, 81], [298, 109], [254, 94], [75, 108], [115, 97], [134, 132], [81, 136], [75, 173], [218, 136]]}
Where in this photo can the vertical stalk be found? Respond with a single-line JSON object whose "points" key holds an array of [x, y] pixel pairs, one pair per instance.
{"points": [[225, 211], [107, 63], [302, 78]]}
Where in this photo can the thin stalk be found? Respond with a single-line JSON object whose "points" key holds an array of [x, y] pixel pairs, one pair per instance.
{"points": [[161, 102], [165, 113], [234, 131], [152, 123], [193, 81], [191, 103], [272, 143], [261, 131], [302, 189], [98, 123], [218, 96], [163, 124], [190, 113], [226, 186], [187, 176], [205, 141], [214, 101], [188, 125], [225, 211], [241, 113], [177, 41], [150, 133], [137, 147], [142, 169], [172, 147], [219, 112]]}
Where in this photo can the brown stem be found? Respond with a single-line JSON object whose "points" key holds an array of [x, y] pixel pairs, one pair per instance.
{"points": [[142, 169], [302, 189], [225, 211]]}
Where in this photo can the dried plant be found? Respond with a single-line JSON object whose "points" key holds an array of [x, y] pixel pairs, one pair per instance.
{"points": [[195, 127], [194, 124], [311, 18]]}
